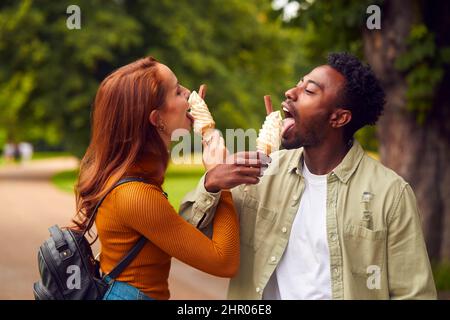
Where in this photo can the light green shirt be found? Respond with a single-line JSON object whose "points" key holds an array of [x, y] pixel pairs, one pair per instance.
{"points": [[376, 245]]}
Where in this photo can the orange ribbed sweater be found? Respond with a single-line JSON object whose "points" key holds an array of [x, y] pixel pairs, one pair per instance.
{"points": [[136, 209]]}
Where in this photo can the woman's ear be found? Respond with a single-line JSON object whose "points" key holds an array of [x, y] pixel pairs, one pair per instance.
{"points": [[154, 118]]}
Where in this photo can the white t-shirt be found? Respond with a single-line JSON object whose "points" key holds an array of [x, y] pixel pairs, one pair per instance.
{"points": [[303, 272]]}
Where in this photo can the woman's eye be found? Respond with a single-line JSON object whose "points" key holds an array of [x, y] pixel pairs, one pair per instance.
{"points": [[309, 92]]}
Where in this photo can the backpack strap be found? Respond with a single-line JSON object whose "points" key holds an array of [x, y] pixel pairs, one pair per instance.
{"points": [[118, 183], [114, 273], [125, 261]]}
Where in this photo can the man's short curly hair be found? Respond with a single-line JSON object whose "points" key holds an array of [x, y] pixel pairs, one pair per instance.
{"points": [[362, 93]]}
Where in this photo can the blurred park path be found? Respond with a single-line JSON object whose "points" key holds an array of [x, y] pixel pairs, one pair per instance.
{"points": [[30, 203]]}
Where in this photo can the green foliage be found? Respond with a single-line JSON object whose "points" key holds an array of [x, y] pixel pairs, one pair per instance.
{"points": [[232, 46], [423, 65], [3, 138], [241, 49], [49, 74], [330, 26]]}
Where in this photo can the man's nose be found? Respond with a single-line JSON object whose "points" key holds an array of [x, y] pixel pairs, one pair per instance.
{"points": [[290, 94]]}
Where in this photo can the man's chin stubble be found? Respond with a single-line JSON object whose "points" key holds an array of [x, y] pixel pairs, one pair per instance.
{"points": [[291, 145]]}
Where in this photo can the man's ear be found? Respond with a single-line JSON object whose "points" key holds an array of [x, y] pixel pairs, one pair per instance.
{"points": [[154, 118], [340, 118]]}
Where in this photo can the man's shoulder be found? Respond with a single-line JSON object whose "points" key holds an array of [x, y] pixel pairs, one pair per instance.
{"points": [[378, 172]]}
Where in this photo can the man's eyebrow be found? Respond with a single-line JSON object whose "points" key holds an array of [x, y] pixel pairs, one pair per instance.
{"points": [[314, 82]]}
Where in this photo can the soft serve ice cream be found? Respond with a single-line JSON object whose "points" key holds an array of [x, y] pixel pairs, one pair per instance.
{"points": [[203, 121], [269, 138]]}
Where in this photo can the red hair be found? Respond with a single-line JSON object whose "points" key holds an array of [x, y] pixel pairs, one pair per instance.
{"points": [[121, 132]]}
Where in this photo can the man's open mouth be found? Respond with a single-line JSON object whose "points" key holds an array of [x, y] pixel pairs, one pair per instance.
{"points": [[289, 121]]}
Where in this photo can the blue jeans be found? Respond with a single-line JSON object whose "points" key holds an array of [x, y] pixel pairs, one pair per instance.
{"points": [[123, 291]]}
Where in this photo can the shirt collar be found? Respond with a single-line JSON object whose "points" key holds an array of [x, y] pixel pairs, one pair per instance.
{"points": [[343, 171], [296, 163]]}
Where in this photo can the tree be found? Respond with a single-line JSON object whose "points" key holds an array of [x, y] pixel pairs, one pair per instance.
{"points": [[49, 74]]}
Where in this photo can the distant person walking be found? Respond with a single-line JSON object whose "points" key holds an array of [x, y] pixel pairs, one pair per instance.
{"points": [[8, 152], [26, 151]]}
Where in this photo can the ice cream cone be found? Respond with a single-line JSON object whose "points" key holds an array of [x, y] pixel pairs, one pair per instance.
{"points": [[203, 120]]}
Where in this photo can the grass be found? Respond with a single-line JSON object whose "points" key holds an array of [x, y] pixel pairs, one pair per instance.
{"points": [[180, 179], [65, 180]]}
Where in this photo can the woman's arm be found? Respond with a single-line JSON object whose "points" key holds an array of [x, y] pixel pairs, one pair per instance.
{"points": [[146, 210]]}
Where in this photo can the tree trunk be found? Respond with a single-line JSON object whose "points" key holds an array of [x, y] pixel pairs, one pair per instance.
{"points": [[419, 153]]}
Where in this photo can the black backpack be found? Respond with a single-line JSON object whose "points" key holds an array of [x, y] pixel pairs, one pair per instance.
{"points": [[67, 266]]}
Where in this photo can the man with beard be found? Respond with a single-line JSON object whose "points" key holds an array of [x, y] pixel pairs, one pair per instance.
{"points": [[325, 221]]}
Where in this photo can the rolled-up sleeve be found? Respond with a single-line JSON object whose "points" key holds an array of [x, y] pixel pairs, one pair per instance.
{"points": [[198, 206]]}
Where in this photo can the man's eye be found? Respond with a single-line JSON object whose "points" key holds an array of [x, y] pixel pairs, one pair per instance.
{"points": [[308, 91]]}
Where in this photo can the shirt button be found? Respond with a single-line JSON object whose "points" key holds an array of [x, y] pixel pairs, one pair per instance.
{"points": [[273, 259], [208, 202], [336, 270], [284, 230], [258, 289], [333, 237]]}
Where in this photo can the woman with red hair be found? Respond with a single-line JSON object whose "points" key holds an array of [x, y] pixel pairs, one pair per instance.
{"points": [[136, 110]]}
